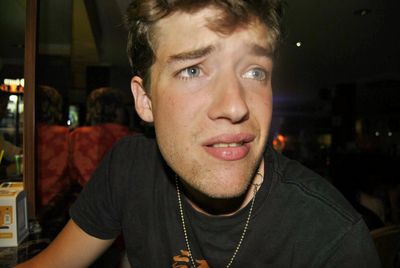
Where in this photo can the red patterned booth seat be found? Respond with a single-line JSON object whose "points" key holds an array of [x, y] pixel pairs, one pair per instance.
{"points": [[88, 145], [52, 161]]}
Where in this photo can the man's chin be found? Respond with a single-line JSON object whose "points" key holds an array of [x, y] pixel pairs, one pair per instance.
{"points": [[224, 194], [222, 191], [215, 202]]}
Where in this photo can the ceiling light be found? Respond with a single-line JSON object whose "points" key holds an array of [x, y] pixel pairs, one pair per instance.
{"points": [[362, 12], [298, 44]]}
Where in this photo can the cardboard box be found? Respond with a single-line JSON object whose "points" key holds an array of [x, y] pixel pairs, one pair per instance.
{"points": [[13, 214]]}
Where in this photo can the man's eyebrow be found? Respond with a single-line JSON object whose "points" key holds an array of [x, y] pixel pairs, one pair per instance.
{"points": [[192, 54], [261, 51]]}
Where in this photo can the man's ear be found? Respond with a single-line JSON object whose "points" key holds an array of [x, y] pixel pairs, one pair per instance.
{"points": [[142, 100]]}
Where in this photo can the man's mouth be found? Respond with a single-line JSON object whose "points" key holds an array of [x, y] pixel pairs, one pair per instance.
{"points": [[229, 147]]}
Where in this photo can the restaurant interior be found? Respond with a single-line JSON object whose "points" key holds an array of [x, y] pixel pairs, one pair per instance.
{"points": [[336, 98]]}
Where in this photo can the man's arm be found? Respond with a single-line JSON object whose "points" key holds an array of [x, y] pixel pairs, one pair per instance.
{"points": [[72, 248]]}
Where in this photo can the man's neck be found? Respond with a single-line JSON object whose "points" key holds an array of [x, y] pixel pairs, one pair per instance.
{"points": [[223, 206]]}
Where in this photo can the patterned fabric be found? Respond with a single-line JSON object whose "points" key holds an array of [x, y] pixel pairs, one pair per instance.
{"points": [[88, 145], [52, 161]]}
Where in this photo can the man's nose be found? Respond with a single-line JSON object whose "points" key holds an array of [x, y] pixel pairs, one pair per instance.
{"points": [[228, 100]]}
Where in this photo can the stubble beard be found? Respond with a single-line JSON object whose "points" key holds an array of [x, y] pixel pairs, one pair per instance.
{"points": [[204, 181], [211, 182]]}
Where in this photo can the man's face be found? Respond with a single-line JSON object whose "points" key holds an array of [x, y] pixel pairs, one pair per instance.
{"points": [[210, 101]]}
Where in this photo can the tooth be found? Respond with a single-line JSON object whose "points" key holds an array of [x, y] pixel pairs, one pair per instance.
{"points": [[220, 145], [226, 145]]}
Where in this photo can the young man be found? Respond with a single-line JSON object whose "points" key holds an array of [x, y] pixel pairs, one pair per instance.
{"points": [[208, 192]]}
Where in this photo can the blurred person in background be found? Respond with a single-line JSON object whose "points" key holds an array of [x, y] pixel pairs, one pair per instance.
{"points": [[52, 145], [54, 186], [107, 121]]}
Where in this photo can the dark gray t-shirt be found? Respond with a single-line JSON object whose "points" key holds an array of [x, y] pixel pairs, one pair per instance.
{"points": [[299, 219]]}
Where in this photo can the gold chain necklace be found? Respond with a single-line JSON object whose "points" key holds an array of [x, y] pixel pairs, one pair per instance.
{"points": [[185, 233]]}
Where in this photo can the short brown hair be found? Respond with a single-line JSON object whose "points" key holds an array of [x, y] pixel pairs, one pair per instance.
{"points": [[103, 106], [143, 14], [50, 104]]}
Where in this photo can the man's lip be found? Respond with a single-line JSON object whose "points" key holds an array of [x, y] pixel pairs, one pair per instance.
{"points": [[229, 139], [229, 147]]}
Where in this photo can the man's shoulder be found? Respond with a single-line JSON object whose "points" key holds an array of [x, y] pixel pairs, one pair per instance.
{"points": [[135, 141], [307, 212], [134, 149], [304, 185]]}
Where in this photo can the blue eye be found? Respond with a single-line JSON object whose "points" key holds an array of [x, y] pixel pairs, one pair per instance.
{"points": [[256, 74], [190, 72]]}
